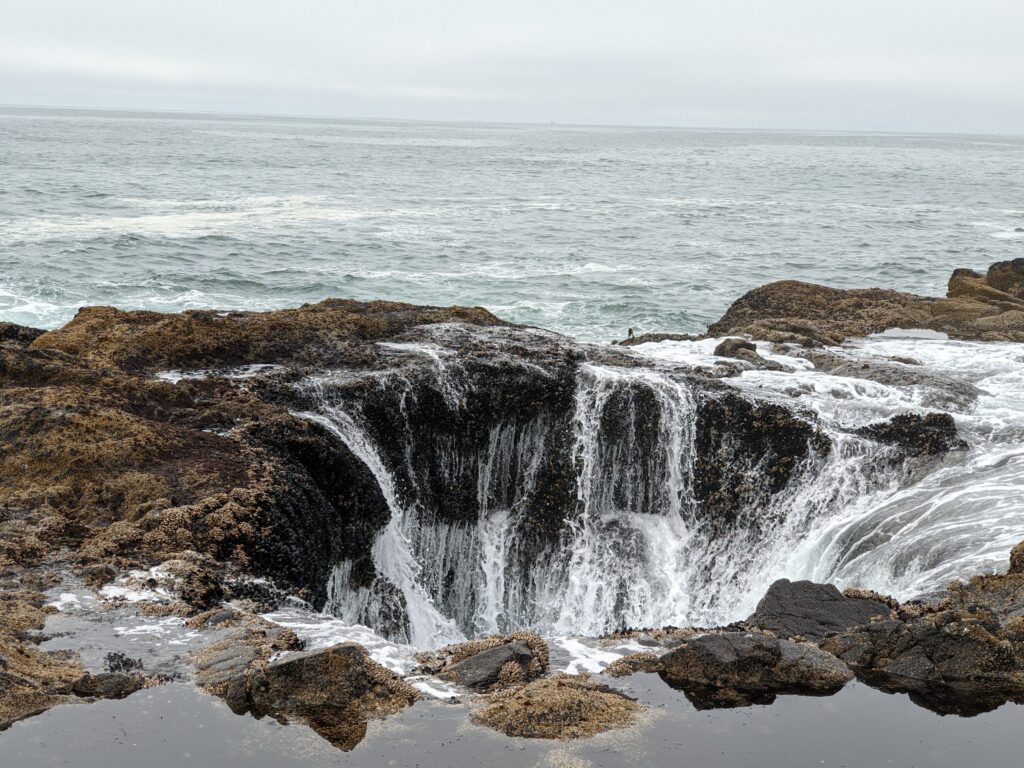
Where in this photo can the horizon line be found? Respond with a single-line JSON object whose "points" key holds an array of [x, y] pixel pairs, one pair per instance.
{"points": [[535, 124]]}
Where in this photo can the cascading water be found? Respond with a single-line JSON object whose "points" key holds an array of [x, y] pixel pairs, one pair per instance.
{"points": [[634, 544]]}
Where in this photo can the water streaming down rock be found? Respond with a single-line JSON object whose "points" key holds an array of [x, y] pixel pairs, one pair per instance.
{"points": [[577, 497]]}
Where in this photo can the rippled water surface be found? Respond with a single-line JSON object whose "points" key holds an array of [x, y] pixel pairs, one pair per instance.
{"points": [[582, 230]]}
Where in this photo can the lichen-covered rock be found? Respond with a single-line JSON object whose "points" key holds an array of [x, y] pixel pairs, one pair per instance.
{"points": [[322, 335], [812, 611], [1017, 559], [562, 707], [644, 661], [335, 690], [729, 669], [487, 663], [987, 307], [746, 351]]}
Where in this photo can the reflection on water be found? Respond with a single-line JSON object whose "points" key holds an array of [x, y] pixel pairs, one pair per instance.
{"points": [[175, 725]]}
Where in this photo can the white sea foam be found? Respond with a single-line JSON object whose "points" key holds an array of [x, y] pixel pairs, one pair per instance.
{"points": [[959, 519]]}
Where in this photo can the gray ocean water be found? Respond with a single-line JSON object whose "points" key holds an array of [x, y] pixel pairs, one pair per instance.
{"points": [[582, 230]]}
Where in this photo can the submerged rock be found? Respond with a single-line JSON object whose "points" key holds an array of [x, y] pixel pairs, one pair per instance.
{"points": [[812, 611], [730, 669], [563, 707]]}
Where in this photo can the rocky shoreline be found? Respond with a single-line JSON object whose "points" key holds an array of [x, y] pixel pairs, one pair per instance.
{"points": [[170, 454]]}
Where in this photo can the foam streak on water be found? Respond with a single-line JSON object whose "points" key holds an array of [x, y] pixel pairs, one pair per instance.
{"points": [[960, 517], [582, 230]]}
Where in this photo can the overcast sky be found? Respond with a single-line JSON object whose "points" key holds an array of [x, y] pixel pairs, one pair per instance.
{"points": [[918, 65]]}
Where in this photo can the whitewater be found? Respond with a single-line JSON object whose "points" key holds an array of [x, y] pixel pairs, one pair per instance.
{"points": [[586, 232]]}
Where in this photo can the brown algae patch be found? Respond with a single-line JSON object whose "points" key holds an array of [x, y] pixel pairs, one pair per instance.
{"points": [[561, 707]]}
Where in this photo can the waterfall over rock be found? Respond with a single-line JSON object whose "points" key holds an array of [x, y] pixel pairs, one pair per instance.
{"points": [[532, 483]]}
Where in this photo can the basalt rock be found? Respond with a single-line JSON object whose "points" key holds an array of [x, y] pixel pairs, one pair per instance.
{"points": [[746, 453], [487, 669], [928, 435], [952, 662], [19, 335], [730, 669], [963, 655], [986, 307], [330, 333], [812, 611], [654, 338]]}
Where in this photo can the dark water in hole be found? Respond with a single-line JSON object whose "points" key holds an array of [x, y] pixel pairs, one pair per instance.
{"points": [[175, 726]]}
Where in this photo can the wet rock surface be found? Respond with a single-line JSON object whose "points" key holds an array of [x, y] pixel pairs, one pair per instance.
{"points": [[489, 663], [963, 655], [198, 481], [746, 351], [928, 435], [729, 669], [985, 307], [812, 611], [562, 707]]}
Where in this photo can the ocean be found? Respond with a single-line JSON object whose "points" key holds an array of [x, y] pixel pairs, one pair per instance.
{"points": [[583, 230]]}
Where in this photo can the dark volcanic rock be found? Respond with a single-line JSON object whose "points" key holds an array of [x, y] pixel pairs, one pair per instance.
{"points": [[19, 334], [813, 611], [746, 453], [927, 435], [108, 685], [963, 655], [483, 670], [737, 668], [654, 338], [949, 662]]}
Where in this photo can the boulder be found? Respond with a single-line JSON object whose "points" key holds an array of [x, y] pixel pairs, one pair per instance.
{"points": [[108, 685], [487, 663], [484, 670], [746, 351], [951, 662], [730, 669], [563, 707], [812, 611], [963, 655], [334, 690]]}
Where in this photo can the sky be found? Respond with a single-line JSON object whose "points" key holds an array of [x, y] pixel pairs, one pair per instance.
{"points": [[890, 65]]}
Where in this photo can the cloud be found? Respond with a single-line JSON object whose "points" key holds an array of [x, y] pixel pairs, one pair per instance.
{"points": [[913, 65]]}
